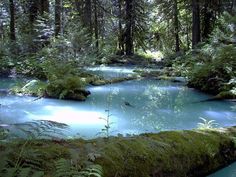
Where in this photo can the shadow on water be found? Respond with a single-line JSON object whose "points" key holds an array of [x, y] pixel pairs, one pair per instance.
{"points": [[130, 107], [137, 106], [229, 171]]}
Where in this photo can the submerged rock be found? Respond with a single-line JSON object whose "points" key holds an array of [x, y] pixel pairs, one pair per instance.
{"points": [[128, 104], [4, 91]]}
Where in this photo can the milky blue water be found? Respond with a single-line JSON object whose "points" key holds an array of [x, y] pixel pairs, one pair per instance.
{"points": [[137, 106], [134, 107]]}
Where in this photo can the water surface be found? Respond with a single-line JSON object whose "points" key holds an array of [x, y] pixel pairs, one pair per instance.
{"points": [[131, 107], [137, 106], [229, 171]]}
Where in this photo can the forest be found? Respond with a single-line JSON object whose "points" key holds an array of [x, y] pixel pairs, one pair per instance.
{"points": [[120, 88]]}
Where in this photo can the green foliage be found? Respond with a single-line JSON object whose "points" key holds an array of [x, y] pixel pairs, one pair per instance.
{"points": [[91, 171], [20, 163], [63, 81], [106, 131], [21, 172], [64, 87], [65, 168], [216, 60], [213, 75]]}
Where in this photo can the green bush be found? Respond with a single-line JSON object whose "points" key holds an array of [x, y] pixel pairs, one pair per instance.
{"points": [[213, 75], [62, 88], [216, 66]]}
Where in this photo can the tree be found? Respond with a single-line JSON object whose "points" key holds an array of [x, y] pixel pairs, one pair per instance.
{"points": [[87, 15], [196, 31], [96, 25], [12, 20], [176, 24], [43, 6], [33, 12], [121, 48], [58, 7], [129, 50]]}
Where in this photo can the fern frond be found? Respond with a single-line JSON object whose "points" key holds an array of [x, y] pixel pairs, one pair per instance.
{"points": [[92, 170]]}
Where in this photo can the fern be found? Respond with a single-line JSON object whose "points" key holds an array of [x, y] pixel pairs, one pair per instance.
{"points": [[205, 124], [64, 168], [20, 172], [38, 129], [92, 171]]}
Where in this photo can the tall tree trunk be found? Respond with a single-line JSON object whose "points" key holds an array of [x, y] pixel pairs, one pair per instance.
{"points": [[63, 17], [87, 15], [176, 25], [57, 28], [207, 24], [12, 20], [33, 12], [43, 6], [196, 32], [1, 30], [129, 48], [96, 25], [121, 33]]}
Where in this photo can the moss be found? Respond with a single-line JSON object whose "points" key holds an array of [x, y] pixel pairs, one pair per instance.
{"points": [[167, 154], [69, 87], [99, 81], [183, 153], [226, 95]]}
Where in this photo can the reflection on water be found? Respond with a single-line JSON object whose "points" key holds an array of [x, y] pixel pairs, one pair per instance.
{"points": [[112, 72], [136, 106]]}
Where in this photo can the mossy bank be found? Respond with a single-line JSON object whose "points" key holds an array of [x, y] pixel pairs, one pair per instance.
{"points": [[166, 154]]}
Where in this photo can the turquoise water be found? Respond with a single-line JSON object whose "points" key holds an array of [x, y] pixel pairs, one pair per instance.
{"points": [[229, 171], [137, 106], [134, 107]]}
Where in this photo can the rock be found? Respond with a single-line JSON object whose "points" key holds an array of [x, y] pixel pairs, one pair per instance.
{"points": [[77, 95], [98, 82], [30, 84]]}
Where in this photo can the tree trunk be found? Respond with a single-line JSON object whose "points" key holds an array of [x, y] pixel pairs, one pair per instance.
{"points": [[33, 12], [43, 6], [129, 48], [12, 20], [196, 32], [121, 33], [57, 28], [96, 25], [87, 16], [207, 16], [176, 25]]}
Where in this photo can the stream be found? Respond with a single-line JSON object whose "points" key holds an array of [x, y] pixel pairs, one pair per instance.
{"points": [[124, 109]]}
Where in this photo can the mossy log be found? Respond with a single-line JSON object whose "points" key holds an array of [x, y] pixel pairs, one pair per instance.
{"points": [[167, 154]]}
